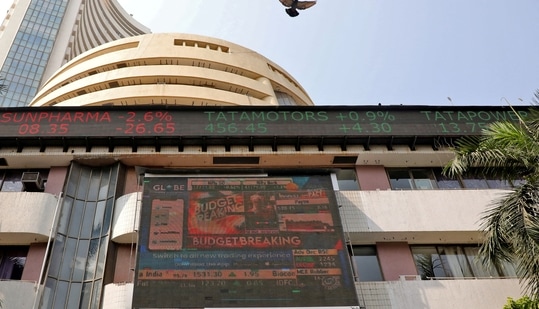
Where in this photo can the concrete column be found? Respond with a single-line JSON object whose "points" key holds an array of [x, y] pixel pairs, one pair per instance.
{"points": [[56, 180], [125, 262], [34, 262], [395, 260], [372, 177], [271, 99]]}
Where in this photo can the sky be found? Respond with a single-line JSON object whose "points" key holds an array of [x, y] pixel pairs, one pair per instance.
{"points": [[366, 52]]}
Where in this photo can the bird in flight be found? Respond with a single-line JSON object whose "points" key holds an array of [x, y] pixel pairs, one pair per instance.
{"points": [[294, 5]]}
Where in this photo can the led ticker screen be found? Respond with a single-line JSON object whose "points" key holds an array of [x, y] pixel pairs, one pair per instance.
{"points": [[241, 242], [256, 121]]}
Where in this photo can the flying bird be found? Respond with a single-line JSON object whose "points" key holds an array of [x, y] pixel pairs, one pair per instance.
{"points": [[294, 5]]}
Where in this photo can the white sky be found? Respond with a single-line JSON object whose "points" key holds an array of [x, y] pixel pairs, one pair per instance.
{"points": [[365, 52]]}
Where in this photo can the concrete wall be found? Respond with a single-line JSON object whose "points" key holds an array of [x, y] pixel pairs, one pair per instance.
{"points": [[438, 294], [26, 217], [415, 217], [17, 294], [126, 219], [442, 294]]}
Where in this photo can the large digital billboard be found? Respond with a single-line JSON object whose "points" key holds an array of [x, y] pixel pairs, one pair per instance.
{"points": [[186, 121], [241, 242]]}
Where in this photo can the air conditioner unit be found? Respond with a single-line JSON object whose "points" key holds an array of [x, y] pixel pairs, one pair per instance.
{"points": [[32, 181]]}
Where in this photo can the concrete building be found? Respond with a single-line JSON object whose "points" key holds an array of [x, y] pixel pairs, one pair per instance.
{"points": [[171, 69], [179, 171], [92, 178], [37, 37]]}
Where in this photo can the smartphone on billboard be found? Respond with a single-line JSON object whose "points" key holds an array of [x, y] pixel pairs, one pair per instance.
{"points": [[166, 225]]}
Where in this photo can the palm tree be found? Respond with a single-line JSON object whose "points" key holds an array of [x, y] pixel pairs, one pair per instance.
{"points": [[511, 225]]}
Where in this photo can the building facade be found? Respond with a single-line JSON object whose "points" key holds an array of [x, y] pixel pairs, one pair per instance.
{"points": [[172, 69], [39, 36], [149, 207], [180, 171]]}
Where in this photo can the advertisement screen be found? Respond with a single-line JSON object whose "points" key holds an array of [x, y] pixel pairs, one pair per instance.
{"points": [[241, 242]]}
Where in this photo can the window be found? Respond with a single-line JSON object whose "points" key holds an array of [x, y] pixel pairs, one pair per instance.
{"points": [[411, 179], [284, 98], [433, 178], [446, 182], [478, 182], [81, 244], [443, 262], [12, 260], [346, 179], [13, 180], [366, 265]]}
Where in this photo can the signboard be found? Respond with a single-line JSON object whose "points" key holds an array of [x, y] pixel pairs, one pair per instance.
{"points": [[241, 242], [252, 121]]}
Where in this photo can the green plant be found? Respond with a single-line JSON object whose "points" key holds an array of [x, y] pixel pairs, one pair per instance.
{"points": [[508, 151], [521, 303]]}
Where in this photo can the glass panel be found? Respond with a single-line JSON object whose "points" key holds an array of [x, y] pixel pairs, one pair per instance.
{"points": [[46, 298], [96, 295], [82, 189], [61, 293], [86, 293], [400, 179], [80, 260], [12, 261], [478, 269], [88, 220], [366, 264], [68, 260], [76, 216], [508, 270], [98, 219], [65, 213], [93, 191], [113, 179], [428, 262], [455, 262], [74, 295], [445, 182], [498, 184], [101, 257], [346, 179], [104, 185], [108, 216], [92, 259], [58, 249], [73, 180], [423, 179], [474, 183], [12, 182]]}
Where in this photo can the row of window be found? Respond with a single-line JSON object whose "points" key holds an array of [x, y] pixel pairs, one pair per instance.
{"points": [[23, 180], [421, 179], [432, 262], [433, 178], [346, 180]]}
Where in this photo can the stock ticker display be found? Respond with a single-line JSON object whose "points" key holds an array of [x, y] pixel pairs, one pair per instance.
{"points": [[254, 121], [241, 242]]}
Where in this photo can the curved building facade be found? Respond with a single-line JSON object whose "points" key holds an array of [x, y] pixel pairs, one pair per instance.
{"points": [[41, 36], [171, 69]]}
